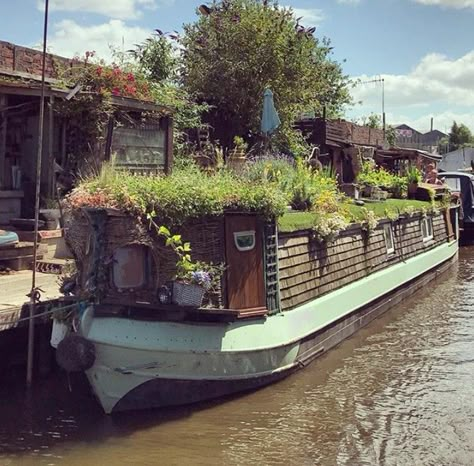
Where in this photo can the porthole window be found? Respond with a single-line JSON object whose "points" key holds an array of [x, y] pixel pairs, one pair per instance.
{"points": [[427, 228], [130, 267], [389, 240], [244, 240]]}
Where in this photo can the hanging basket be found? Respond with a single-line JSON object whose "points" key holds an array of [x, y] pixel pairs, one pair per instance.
{"points": [[185, 294], [58, 332]]}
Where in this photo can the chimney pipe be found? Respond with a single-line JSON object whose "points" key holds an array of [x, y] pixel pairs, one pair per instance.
{"points": [[432, 123]]}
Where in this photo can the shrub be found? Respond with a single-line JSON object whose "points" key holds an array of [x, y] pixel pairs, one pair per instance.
{"points": [[186, 193]]}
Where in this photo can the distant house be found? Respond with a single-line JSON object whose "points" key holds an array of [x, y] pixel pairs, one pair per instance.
{"points": [[409, 138], [461, 159]]}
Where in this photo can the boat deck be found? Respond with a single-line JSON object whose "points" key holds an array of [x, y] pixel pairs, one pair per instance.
{"points": [[13, 290]]}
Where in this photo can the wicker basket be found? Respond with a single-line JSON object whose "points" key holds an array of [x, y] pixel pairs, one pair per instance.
{"points": [[185, 294]]}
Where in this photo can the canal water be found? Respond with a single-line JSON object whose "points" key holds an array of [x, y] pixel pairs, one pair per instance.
{"points": [[401, 392]]}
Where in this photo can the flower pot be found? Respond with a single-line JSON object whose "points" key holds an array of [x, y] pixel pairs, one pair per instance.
{"points": [[236, 164], [412, 188], [59, 332], [185, 294], [51, 218]]}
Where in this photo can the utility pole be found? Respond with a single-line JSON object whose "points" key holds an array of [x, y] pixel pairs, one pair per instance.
{"points": [[379, 80]]}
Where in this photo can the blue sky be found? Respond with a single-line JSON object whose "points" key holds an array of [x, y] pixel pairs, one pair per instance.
{"points": [[423, 49]]}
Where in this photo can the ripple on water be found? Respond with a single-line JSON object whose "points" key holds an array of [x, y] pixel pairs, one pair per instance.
{"points": [[398, 393]]}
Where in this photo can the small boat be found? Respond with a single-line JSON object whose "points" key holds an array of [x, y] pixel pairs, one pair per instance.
{"points": [[462, 184], [284, 299], [8, 238]]}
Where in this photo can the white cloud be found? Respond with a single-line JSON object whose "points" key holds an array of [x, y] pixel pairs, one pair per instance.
{"points": [[459, 4], [121, 9], [436, 82], [310, 16], [70, 38]]}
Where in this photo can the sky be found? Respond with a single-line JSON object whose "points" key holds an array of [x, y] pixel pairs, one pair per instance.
{"points": [[422, 49]]}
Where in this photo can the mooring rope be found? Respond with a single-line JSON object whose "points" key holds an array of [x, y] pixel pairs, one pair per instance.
{"points": [[23, 319]]}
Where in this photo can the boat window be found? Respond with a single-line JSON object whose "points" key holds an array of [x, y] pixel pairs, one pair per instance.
{"points": [[244, 240], [130, 267], [454, 184], [427, 228], [389, 241]]}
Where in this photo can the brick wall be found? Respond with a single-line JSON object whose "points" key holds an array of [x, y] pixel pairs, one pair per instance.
{"points": [[14, 58]]}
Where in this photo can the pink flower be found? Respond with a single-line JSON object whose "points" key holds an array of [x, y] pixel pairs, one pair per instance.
{"points": [[99, 71], [130, 77], [116, 91]]}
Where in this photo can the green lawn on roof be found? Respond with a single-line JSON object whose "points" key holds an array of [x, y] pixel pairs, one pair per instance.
{"points": [[293, 221]]}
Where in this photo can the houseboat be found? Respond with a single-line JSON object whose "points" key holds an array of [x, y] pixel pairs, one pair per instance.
{"points": [[284, 298]]}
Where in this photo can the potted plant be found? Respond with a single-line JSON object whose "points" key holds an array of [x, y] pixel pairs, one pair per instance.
{"points": [[192, 279], [413, 179], [237, 158]]}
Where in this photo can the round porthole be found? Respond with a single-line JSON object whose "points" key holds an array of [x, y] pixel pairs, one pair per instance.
{"points": [[244, 240]]}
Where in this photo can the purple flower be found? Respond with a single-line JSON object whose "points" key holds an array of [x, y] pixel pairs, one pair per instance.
{"points": [[202, 278]]}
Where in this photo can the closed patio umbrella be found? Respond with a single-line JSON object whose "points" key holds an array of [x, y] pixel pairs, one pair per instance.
{"points": [[270, 119]]}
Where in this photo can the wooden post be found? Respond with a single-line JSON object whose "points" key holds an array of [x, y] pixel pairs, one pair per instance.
{"points": [[169, 144], [39, 156], [3, 138], [51, 171]]}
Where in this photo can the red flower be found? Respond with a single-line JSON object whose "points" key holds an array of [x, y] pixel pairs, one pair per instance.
{"points": [[117, 71], [131, 90], [116, 91], [130, 77]]}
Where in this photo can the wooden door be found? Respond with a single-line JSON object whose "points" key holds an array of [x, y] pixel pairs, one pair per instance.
{"points": [[245, 275]]}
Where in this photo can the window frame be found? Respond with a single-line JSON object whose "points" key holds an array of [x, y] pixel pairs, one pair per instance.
{"points": [[388, 231], [146, 271], [427, 232]]}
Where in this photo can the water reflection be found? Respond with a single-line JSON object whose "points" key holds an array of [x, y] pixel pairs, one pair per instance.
{"points": [[398, 393]]}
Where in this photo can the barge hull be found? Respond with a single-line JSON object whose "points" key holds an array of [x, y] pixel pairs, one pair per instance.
{"points": [[331, 319]]}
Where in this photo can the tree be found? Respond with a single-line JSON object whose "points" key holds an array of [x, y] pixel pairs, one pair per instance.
{"points": [[158, 60], [238, 48], [459, 136]]}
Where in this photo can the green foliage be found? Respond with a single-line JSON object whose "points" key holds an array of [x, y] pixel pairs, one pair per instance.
{"points": [[328, 226], [156, 58], [242, 47], [373, 176], [187, 115], [186, 193], [290, 141], [460, 136], [240, 144], [413, 175], [184, 264], [369, 219], [373, 121], [390, 135], [188, 271]]}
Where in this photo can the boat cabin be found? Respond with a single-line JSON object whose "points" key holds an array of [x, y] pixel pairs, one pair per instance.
{"points": [[124, 264]]}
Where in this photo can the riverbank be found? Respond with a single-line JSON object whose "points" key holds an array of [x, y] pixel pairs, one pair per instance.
{"points": [[14, 288]]}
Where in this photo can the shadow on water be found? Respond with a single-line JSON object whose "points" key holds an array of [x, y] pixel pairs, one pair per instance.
{"points": [[398, 392]]}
